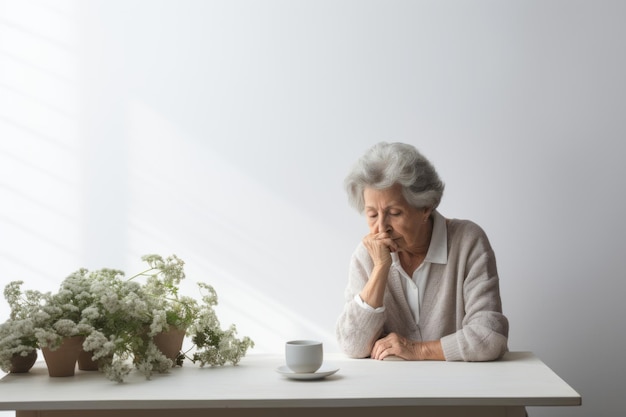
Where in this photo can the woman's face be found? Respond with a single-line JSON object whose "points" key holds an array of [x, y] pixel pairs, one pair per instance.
{"points": [[388, 211]]}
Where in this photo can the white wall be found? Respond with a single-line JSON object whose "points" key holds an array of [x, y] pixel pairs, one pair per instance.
{"points": [[221, 131]]}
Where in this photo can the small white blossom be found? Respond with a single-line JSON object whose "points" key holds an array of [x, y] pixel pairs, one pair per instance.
{"points": [[91, 313], [117, 370], [159, 322]]}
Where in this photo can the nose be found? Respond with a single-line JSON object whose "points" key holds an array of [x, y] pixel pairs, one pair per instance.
{"points": [[383, 224]]}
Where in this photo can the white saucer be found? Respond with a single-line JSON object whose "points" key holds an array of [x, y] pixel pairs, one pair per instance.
{"points": [[323, 372]]}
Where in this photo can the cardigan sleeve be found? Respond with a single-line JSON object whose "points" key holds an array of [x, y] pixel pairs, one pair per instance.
{"points": [[483, 332], [358, 328]]}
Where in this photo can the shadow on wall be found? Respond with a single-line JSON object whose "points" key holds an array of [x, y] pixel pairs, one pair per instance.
{"points": [[232, 232], [40, 164]]}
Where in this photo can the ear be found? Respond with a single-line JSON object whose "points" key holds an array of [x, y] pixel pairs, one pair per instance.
{"points": [[427, 212]]}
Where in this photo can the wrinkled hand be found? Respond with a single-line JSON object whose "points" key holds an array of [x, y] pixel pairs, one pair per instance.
{"points": [[394, 345], [379, 246]]}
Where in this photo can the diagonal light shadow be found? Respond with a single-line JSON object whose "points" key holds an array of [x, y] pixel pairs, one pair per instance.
{"points": [[47, 105], [227, 226], [48, 39], [48, 138], [40, 68], [40, 188]]}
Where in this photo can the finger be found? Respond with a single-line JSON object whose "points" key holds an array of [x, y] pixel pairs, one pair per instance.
{"points": [[379, 347], [386, 244], [387, 240], [374, 354], [389, 350], [375, 351], [392, 245], [375, 240]]}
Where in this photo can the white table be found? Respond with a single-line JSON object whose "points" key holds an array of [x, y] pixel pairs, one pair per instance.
{"points": [[501, 388]]}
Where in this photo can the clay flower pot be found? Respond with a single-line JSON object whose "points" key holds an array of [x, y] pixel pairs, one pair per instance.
{"points": [[22, 364], [62, 361], [85, 363], [170, 342]]}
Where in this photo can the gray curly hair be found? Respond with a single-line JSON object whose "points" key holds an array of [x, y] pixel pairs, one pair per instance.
{"points": [[386, 164]]}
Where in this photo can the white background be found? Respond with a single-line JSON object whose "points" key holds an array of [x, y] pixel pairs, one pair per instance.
{"points": [[221, 131]]}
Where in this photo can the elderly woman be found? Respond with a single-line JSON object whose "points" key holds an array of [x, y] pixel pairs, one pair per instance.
{"points": [[420, 287]]}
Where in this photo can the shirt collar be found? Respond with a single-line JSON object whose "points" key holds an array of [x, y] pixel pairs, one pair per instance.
{"points": [[438, 249]]}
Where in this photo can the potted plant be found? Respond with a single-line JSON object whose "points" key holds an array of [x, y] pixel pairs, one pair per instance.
{"points": [[18, 344], [172, 312], [60, 327], [126, 315], [119, 315], [176, 315], [144, 319]]}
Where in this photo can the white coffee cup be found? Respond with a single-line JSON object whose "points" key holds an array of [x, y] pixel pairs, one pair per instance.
{"points": [[304, 356]]}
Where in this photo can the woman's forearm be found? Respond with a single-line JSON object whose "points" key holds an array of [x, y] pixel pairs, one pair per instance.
{"points": [[374, 290]]}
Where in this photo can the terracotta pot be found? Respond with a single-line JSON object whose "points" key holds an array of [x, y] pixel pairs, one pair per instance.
{"points": [[21, 364], [62, 361], [85, 363], [170, 342]]}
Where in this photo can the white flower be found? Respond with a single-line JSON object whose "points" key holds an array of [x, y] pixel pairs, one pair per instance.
{"points": [[91, 313], [94, 341], [117, 370], [65, 327], [159, 322], [110, 302]]}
